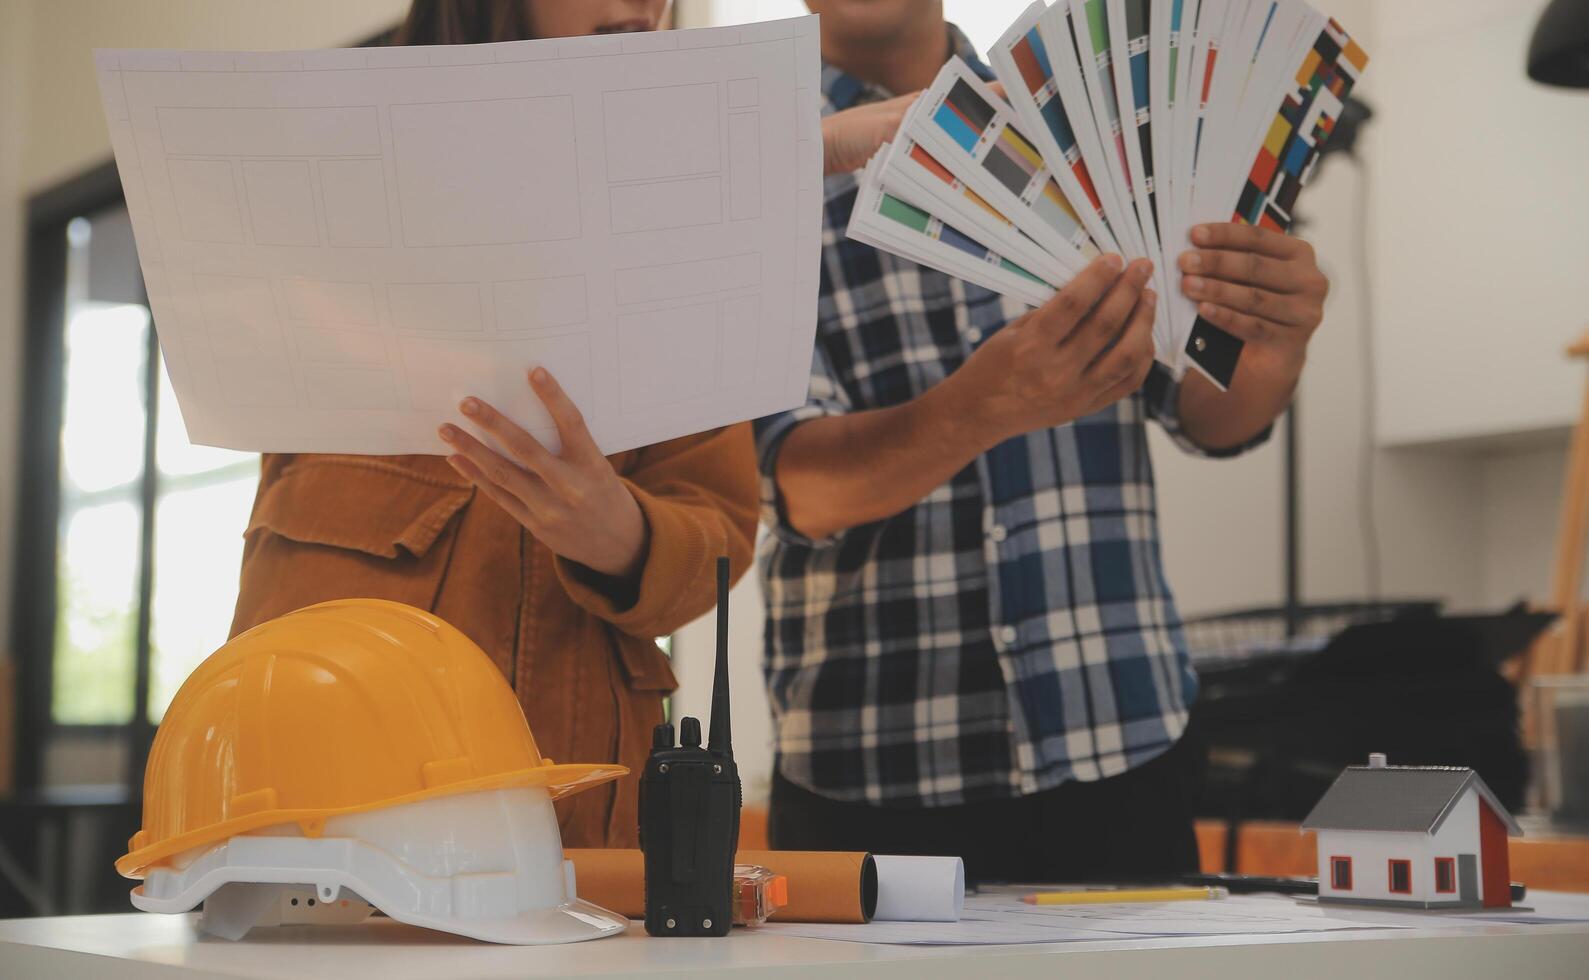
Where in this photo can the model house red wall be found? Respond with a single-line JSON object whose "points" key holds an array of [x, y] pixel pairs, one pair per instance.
{"points": [[1497, 869]]}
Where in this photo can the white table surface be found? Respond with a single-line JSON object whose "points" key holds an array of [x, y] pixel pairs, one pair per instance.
{"points": [[159, 947]]}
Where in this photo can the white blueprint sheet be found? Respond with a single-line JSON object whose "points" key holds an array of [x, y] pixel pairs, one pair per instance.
{"points": [[997, 916], [338, 245]]}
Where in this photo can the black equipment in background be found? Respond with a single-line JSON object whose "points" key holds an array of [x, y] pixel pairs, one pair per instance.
{"points": [[1558, 53], [689, 812], [1423, 688]]}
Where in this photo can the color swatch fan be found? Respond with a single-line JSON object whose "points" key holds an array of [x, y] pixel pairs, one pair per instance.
{"points": [[1123, 124]]}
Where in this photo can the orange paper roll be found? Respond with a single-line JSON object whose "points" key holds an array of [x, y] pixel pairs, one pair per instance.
{"points": [[824, 886]]}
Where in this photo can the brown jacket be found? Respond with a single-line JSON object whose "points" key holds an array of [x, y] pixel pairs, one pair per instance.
{"points": [[584, 664]]}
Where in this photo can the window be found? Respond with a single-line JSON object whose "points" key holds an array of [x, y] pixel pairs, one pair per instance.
{"points": [[1341, 873], [1445, 874], [1400, 877], [150, 525], [131, 535]]}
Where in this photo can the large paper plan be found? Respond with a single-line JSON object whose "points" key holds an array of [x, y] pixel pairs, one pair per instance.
{"points": [[339, 245]]}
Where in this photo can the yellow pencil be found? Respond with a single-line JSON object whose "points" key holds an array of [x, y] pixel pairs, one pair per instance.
{"points": [[1107, 897]]}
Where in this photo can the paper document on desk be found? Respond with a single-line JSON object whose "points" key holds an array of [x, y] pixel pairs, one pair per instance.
{"points": [[339, 245], [998, 916]]}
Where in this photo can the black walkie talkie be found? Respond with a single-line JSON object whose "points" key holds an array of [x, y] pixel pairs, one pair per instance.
{"points": [[689, 813]]}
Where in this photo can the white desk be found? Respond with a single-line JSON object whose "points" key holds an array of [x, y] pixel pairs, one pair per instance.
{"points": [[157, 947]]}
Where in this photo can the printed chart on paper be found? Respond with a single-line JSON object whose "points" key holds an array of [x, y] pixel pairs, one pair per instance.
{"points": [[338, 245]]}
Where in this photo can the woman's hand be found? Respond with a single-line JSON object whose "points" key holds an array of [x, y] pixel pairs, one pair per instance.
{"points": [[573, 501], [850, 137]]}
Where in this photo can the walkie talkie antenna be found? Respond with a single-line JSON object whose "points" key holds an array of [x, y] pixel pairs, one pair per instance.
{"points": [[720, 738]]}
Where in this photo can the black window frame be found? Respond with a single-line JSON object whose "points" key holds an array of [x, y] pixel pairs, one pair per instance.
{"points": [[38, 474]]}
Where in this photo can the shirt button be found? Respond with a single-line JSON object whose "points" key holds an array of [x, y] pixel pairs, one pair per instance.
{"points": [[1008, 635], [998, 533], [974, 336]]}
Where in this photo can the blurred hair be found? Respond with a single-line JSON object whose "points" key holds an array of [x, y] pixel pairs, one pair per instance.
{"points": [[464, 22]]}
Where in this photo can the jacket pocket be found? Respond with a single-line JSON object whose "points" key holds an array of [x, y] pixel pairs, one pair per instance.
{"points": [[346, 527], [645, 666], [372, 506]]}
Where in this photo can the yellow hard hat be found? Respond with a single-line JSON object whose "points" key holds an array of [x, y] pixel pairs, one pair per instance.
{"points": [[337, 708]]}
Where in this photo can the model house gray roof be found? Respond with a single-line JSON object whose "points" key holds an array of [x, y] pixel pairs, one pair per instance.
{"points": [[1413, 799]]}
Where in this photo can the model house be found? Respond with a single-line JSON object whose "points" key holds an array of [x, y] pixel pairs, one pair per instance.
{"points": [[1421, 836]]}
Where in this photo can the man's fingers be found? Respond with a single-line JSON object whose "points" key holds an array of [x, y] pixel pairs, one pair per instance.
{"points": [[1060, 315], [577, 440], [1249, 238], [1293, 311], [1134, 350], [493, 468], [1247, 268], [525, 449], [1242, 326], [1100, 327]]}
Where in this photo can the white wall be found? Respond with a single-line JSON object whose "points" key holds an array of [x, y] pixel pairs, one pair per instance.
{"points": [[1481, 201], [1480, 249], [66, 128], [1522, 496]]}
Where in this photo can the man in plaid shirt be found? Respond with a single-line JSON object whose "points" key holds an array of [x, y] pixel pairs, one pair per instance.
{"points": [[971, 648]]}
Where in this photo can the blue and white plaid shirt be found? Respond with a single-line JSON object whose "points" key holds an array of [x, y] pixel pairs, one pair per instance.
{"points": [[1010, 631]]}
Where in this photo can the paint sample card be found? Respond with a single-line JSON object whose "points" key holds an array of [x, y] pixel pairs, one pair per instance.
{"points": [[971, 131], [1056, 27], [339, 245], [1126, 123], [1285, 159], [1089, 23], [1020, 59], [1128, 46], [912, 174], [892, 224]]}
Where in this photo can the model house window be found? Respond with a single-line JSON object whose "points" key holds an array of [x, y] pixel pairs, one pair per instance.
{"points": [[1341, 873], [1445, 874], [1401, 877]]}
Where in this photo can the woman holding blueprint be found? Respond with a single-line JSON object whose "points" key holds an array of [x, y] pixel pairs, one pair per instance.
{"points": [[562, 565]]}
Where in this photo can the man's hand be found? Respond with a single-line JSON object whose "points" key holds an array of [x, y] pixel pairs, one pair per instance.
{"points": [[1265, 289], [1262, 287], [1089, 346], [1083, 350], [849, 138]]}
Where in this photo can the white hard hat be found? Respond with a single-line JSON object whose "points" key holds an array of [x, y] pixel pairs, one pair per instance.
{"points": [[487, 864]]}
